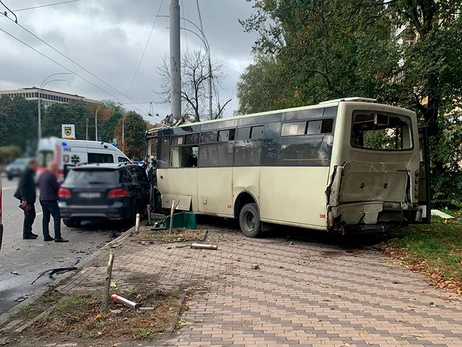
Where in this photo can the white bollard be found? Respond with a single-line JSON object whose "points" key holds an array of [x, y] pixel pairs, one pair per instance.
{"points": [[137, 223]]}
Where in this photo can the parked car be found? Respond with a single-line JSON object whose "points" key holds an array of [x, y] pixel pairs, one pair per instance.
{"points": [[115, 192], [16, 168]]}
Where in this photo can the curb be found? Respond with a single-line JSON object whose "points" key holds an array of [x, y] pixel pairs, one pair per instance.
{"points": [[5, 316]]}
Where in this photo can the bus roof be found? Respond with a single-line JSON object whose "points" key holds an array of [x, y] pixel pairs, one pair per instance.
{"points": [[300, 108]]}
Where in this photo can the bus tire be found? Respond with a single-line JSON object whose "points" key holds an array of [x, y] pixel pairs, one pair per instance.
{"points": [[249, 220]]}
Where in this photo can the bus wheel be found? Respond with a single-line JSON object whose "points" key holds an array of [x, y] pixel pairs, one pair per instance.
{"points": [[249, 220]]}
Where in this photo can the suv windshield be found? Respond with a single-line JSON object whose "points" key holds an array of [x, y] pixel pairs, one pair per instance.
{"points": [[381, 131], [84, 177]]}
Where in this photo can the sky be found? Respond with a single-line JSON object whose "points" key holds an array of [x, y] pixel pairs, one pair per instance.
{"points": [[107, 37]]}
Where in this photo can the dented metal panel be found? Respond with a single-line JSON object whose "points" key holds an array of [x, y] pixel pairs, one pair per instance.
{"points": [[183, 201]]}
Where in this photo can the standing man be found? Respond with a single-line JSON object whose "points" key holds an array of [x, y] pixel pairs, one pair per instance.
{"points": [[27, 195], [49, 187]]}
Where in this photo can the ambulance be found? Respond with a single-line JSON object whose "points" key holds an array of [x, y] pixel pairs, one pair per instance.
{"points": [[69, 153]]}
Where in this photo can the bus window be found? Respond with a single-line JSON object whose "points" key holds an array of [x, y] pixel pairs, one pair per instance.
{"points": [[183, 156], [191, 139], [164, 152], [296, 128], [217, 154], [315, 150], [320, 126], [381, 132], [210, 136], [152, 147], [100, 158]]}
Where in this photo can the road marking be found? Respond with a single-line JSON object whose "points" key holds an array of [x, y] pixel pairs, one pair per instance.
{"points": [[39, 213]]}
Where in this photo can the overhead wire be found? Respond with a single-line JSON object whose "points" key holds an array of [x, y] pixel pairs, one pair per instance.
{"points": [[74, 62], [14, 14], [46, 5], [145, 47], [200, 15], [64, 67]]}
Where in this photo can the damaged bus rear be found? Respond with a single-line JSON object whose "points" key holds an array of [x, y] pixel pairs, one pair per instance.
{"points": [[374, 173]]}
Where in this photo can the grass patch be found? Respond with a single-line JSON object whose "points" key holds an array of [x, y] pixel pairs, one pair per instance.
{"points": [[37, 307], [435, 250], [78, 317], [164, 236]]}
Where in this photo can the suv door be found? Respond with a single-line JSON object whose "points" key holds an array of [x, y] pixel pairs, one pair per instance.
{"points": [[142, 183]]}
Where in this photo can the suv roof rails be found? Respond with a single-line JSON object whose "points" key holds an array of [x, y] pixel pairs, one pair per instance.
{"points": [[357, 99]]}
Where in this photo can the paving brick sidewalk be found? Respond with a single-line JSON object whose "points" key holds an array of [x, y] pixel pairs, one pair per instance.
{"points": [[303, 293]]}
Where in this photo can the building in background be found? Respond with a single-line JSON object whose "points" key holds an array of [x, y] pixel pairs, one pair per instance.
{"points": [[48, 97]]}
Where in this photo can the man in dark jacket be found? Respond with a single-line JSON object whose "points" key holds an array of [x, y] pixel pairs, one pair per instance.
{"points": [[49, 187], [27, 195]]}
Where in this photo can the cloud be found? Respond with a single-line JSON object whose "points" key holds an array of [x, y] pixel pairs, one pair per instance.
{"points": [[108, 37]]}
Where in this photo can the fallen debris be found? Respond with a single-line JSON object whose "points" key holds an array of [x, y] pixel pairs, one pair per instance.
{"points": [[125, 302], [15, 273], [204, 246], [59, 270], [255, 267]]}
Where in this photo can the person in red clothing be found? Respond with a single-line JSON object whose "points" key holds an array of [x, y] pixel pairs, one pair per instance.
{"points": [[49, 187]]}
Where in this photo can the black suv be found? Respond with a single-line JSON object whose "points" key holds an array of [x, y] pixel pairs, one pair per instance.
{"points": [[114, 192]]}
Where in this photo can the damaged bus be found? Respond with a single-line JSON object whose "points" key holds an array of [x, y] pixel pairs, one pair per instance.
{"points": [[345, 165]]}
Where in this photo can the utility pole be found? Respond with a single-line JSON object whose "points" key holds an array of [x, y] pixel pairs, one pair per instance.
{"points": [[86, 130], [175, 58]]}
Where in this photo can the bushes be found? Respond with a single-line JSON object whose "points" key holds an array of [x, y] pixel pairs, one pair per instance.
{"points": [[9, 153], [447, 190]]}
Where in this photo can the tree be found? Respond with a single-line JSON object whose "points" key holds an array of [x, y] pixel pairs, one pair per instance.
{"points": [[71, 113], [330, 48], [107, 130], [432, 66], [194, 84], [18, 122], [134, 134], [319, 50]]}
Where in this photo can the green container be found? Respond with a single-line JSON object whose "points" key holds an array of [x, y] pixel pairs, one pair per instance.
{"points": [[182, 220], [190, 220]]}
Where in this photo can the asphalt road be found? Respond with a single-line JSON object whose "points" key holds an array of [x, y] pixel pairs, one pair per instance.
{"points": [[21, 261]]}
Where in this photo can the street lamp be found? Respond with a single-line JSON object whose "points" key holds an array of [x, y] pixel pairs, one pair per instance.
{"points": [[96, 119], [207, 47], [44, 83]]}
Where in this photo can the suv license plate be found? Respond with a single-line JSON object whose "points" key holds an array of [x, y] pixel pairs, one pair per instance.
{"points": [[90, 195]]}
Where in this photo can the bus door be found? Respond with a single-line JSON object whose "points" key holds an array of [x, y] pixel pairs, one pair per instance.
{"points": [[424, 175]]}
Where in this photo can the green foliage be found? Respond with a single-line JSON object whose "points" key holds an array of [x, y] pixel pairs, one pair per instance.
{"points": [[107, 130], [75, 113], [134, 134], [18, 122], [317, 51], [9, 153]]}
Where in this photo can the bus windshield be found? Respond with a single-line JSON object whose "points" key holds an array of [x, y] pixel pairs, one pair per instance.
{"points": [[380, 131]]}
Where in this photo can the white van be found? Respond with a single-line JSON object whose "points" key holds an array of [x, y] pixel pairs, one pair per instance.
{"points": [[70, 153]]}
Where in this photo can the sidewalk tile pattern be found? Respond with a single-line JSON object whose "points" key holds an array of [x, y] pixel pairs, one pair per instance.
{"points": [[303, 293]]}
